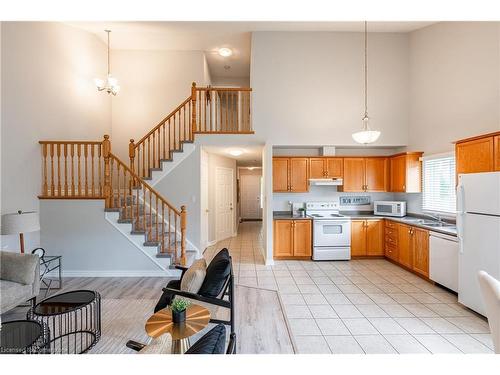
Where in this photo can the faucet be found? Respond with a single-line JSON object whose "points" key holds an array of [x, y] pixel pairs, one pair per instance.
{"points": [[436, 217]]}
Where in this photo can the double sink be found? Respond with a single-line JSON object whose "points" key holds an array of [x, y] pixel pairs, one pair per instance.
{"points": [[429, 223]]}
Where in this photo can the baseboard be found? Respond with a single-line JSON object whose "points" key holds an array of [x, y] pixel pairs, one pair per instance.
{"points": [[123, 273]]}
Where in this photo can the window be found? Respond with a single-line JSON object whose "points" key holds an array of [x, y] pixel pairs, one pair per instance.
{"points": [[439, 184]]}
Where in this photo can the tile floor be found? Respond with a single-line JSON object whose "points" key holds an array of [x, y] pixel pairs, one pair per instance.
{"points": [[360, 306]]}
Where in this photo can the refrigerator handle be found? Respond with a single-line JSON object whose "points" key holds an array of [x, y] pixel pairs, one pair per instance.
{"points": [[460, 214]]}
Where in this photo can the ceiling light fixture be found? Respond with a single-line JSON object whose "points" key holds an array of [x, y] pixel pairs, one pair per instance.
{"points": [[367, 135], [110, 85], [225, 52], [235, 152]]}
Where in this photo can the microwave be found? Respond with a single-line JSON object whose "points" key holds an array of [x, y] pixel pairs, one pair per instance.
{"points": [[388, 208]]}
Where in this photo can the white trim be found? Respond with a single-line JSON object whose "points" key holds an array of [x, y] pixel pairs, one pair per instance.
{"points": [[438, 156], [124, 273]]}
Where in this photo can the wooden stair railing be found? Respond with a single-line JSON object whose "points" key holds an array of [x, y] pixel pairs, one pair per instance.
{"points": [[208, 110], [89, 170]]}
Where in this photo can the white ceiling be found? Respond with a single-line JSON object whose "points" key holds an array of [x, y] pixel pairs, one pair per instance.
{"points": [[251, 157], [210, 36]]}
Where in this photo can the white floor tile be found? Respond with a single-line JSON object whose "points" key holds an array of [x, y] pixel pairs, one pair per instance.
{"points": [[337, 299], [304, 327], [347, 311], [436, 344], [470, 324], [343, 345], [396, 311], [441, 325], [315, 299], [484, 338], [332, 327], [467, 344], [322, 311], [292, 299], [375, 344], [297, 311], [328, 289], [387, 326], [414, 326], [305, 289], [312, 345], [406, 344], [371, 311], [359, 299], [360, 326], [419, 310], [349, 288]]}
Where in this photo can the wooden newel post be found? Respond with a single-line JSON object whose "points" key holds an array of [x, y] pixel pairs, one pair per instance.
{"points": [[183, 235], [193, 106], [106, 150]]}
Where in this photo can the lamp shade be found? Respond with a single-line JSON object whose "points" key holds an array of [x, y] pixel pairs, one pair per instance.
{"points": [[20, 222]]}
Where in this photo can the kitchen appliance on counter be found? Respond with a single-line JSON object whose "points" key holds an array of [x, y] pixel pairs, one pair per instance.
{"points": [[443, 260], [478, 227], [331, 231], [389, 208]]}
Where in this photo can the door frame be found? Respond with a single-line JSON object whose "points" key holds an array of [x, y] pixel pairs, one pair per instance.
{"points": [[231, 229], [204, 219]]}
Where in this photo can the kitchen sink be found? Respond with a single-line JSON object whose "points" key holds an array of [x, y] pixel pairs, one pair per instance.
{"points": [[434, 224]]}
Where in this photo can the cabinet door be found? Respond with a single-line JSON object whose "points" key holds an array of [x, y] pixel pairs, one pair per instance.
{"points": [[420, 259], [334, 167], [358, 238], [475, 156], [317, 168], [376, 174], [398, 173], [496, 142], [283, 234], [374, 237], [280, 174], [299, 175], [354, 174], [404, 245], [302, 238]]}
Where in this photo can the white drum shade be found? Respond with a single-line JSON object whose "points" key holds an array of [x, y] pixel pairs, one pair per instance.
{"points": [[23, 222]]}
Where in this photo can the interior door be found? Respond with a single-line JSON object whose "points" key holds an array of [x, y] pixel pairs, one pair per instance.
{"points": [[250, 196], [204, 199], [224, 203]]}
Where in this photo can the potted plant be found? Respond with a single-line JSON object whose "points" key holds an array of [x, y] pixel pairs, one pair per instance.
{"points": [[178, 308], [301, 211]]}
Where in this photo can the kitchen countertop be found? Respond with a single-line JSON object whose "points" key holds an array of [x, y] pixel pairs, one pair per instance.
{"points": [[409, 220]]}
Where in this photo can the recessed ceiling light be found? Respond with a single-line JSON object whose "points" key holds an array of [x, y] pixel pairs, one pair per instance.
{"points": [[225, 52], [235, 152]]}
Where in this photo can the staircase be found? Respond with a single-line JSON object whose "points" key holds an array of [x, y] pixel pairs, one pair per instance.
{"points": [[89, 170]]}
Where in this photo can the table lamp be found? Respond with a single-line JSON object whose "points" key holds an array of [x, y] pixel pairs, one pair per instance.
{"points": [[20, 223]]}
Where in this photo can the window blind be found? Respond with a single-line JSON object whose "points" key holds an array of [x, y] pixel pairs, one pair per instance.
{"points": [[439, 184]]}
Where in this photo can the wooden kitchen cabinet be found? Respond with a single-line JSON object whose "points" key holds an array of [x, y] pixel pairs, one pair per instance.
{"points": [[406, 173], [391, 240], [290, 175], [367, 238], [405, 245], [475, 155], [325, 167], [496, 144], [365, 174], [292, 239], [420, 247]]}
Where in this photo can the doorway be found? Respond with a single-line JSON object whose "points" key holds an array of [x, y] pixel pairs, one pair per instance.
{"points": [[224, 203], [250, 194]]}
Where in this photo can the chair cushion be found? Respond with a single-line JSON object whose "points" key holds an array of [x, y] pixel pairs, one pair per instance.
{"points": [[19, 268], [213, 342], [194, 276], [217, 273], [13, 294]]}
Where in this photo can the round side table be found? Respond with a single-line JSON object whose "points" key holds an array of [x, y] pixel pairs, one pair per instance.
{"points": [[74, 320], [24, 337], [197, 318]]}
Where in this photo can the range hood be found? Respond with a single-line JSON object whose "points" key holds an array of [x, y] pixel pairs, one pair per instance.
{"points": [[326, 181]]}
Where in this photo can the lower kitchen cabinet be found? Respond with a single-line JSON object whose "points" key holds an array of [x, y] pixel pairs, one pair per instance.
{"points": [[420, 262], [411, 249], [367, 238], [292, 239], [404, 245]]}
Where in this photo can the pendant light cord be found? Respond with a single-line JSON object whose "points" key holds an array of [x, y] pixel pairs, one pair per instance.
{"points": [[108, 31], [366, 70]]}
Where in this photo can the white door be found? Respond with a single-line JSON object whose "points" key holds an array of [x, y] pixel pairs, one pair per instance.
{"points": [[204, 199], [250, 196], [224, 216]]}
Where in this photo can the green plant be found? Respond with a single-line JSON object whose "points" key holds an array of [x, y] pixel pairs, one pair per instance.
{"points": [[301, 209], [179, 305]]}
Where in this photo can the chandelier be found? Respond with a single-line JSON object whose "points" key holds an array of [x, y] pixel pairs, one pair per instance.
{"points": [[110, 84]]}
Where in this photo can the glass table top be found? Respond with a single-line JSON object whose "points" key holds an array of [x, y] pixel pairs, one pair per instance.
{"points": [[64, 302]]}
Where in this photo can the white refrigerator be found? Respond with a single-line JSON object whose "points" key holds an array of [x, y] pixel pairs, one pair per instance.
{"points": [[478, 225]]}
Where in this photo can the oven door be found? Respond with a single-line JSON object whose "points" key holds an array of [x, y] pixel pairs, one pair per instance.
{"points": [[332, 233]]}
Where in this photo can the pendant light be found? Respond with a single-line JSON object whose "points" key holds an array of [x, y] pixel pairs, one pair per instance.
{"points": [[110, 85], [366, 135]]}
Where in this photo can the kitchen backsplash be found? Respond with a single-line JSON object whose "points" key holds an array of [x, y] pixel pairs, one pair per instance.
{"points": [[322, 193]]}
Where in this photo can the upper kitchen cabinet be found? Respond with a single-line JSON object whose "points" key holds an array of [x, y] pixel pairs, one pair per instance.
{"points": [[290, 175], [406, 173], [325, 167], [478, 154], [365, 174]]}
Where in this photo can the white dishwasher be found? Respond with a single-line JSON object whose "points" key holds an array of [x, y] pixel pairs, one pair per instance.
{"points": [[443, 262]]}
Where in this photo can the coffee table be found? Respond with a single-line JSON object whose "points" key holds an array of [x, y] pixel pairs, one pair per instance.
{"points": [[24, 337], [74, 320], [197, 318]]}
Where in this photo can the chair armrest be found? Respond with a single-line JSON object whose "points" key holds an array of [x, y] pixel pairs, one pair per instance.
{"points": [[231, 347], [134, 345], [183, 269], [197, 297]]}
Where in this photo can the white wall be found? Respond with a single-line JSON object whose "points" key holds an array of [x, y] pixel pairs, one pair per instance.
{"points": [[153, 84], [308, 87], [231, 81], [214, 162], [89, 245], [47, 92], [454, 83]]}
